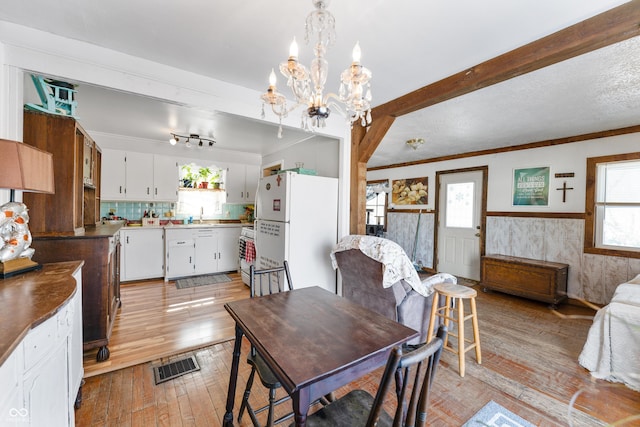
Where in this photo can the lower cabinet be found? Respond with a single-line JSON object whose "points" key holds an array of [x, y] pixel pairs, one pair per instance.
{"points": [[142, 253], [201, 251], [99, 247], [41, 379]]}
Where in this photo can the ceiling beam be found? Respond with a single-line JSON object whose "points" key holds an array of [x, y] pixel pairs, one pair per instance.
{"points": [[602, 30], [610, 27]]}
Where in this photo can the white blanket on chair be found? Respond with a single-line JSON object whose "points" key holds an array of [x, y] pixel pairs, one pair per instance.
{"points": [[612, 350]]}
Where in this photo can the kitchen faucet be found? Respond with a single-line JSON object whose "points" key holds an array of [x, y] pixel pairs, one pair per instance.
{"points": [[201, 213]]}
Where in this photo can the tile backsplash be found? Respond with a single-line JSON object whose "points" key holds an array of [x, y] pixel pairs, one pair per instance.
{"points": [[135, 210]]}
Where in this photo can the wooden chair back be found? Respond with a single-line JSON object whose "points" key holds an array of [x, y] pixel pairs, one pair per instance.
{"points": [[412, 394], [270, 281]]}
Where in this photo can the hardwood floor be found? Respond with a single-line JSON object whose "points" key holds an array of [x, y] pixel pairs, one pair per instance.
{"points": [[529, 365], [158, 320]]}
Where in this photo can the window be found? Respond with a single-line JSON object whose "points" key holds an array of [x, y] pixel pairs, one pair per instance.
{"points": [[460, 203], [613, 204], [377, 202], [200, 203]]}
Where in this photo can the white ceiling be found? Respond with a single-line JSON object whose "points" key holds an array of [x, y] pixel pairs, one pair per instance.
{"points": [[407, 45]]}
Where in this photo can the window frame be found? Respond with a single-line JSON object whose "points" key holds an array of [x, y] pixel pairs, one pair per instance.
{"points": [[385, 204], [590, 222]]}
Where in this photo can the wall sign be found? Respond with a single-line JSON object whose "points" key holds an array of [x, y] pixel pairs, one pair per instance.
{"points": [[531, 187]]}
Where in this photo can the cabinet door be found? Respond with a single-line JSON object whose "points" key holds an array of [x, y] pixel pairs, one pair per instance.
{"points": [[113, 175], [142, 254], [252, 177], [180, 253], [234, 183], [228, 258], [45, 389], [139, 176], [206, 243], [165, 178]]}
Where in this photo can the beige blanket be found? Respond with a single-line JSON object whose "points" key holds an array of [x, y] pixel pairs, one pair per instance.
{"points": [[612, 350]]}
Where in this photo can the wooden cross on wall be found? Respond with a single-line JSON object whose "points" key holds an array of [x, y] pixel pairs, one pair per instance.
{"points": [[564, 191]]}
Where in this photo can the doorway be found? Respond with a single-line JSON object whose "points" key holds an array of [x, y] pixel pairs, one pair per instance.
{"points": [[461, 205]]}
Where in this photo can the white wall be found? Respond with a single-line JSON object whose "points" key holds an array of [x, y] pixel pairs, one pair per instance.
{"points": [[39, 52], [317, 153], [592, 277]]}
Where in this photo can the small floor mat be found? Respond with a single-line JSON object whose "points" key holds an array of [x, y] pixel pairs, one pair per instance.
{"points": [[208, 279], [175, 369], [494, 415]]}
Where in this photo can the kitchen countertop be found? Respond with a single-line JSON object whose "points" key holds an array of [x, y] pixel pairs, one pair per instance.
{"points": [[31, 298], [194, 225]]}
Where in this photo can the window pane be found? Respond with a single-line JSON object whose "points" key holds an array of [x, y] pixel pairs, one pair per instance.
{"points": [[622, 182], [460, 205], [620, 226]]}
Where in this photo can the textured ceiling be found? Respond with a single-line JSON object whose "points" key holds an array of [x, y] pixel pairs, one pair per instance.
{"points": [[408, 45]]}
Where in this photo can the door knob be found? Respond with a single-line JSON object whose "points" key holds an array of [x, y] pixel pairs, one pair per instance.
{"points": [[477, 234]]}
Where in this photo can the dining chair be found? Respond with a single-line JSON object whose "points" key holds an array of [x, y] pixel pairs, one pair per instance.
{"points": [[265, 282], [358, 408]]}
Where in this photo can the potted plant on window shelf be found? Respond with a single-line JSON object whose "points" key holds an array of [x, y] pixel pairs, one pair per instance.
{"points": [[215, 178], [189, 176], [204, 174]]}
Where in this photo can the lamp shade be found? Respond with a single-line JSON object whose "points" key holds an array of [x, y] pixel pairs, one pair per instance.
{"points": [[26, 168]]}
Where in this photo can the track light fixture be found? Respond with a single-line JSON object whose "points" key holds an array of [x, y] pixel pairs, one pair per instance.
{"points": [[175, 138]]}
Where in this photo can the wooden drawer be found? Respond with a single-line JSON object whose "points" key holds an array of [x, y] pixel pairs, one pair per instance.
{"points": [[529, 278]]}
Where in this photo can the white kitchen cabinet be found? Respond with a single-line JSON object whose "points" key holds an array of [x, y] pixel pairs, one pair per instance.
{"points": [[201, 250], [139, 176], [166, 177], [228, 241], [179, 253], [142, 255], [113, 184], [241, 183], [41, 377], [206, 250]]}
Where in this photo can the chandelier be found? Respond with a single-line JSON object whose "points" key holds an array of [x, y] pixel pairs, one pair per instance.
{"points": [[198, 140], [415, 143], [307, 85]]}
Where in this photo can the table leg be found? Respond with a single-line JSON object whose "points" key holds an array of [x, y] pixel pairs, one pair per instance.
{"points": [[233, 379], [300, 402]]}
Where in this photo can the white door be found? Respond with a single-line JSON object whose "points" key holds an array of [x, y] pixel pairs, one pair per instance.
{"points": [[459, 216]]}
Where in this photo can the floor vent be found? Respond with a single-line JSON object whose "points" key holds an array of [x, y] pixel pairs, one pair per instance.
{"points": [[175, 369]]}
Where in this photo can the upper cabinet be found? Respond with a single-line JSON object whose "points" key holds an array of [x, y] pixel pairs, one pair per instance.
{"points": [[241, 183], [139, 176], [76, 166]]}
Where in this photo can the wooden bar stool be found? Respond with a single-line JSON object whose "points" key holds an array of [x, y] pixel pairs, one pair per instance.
{"points": [[456, 294]]}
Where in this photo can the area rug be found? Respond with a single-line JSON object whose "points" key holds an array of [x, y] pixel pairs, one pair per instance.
{"points": [[208, 279], [494, 415]]}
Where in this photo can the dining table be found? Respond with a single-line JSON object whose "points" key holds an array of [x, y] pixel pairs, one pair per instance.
{"points": [[313, 340]]}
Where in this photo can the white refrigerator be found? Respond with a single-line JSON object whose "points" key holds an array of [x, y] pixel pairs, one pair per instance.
{"points": [[297, 221]]}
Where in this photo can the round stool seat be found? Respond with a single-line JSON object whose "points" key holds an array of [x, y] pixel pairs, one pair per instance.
{"points": [[455, 291]]}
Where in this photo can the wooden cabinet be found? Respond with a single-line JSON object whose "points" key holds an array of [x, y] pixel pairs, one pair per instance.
{"points": [[142, 253], [529, 278], [76, 202], [99, 247], [241, 183], [139, 176]]}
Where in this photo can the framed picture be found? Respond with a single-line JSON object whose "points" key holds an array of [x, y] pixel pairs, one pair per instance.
{"points": [[531, 186], [409, 191]]}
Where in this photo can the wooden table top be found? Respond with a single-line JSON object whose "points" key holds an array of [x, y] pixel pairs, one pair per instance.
{"points": [[309, 334]]}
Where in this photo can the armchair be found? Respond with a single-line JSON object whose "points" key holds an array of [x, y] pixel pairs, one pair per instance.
{"points": [[377, 274]]}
